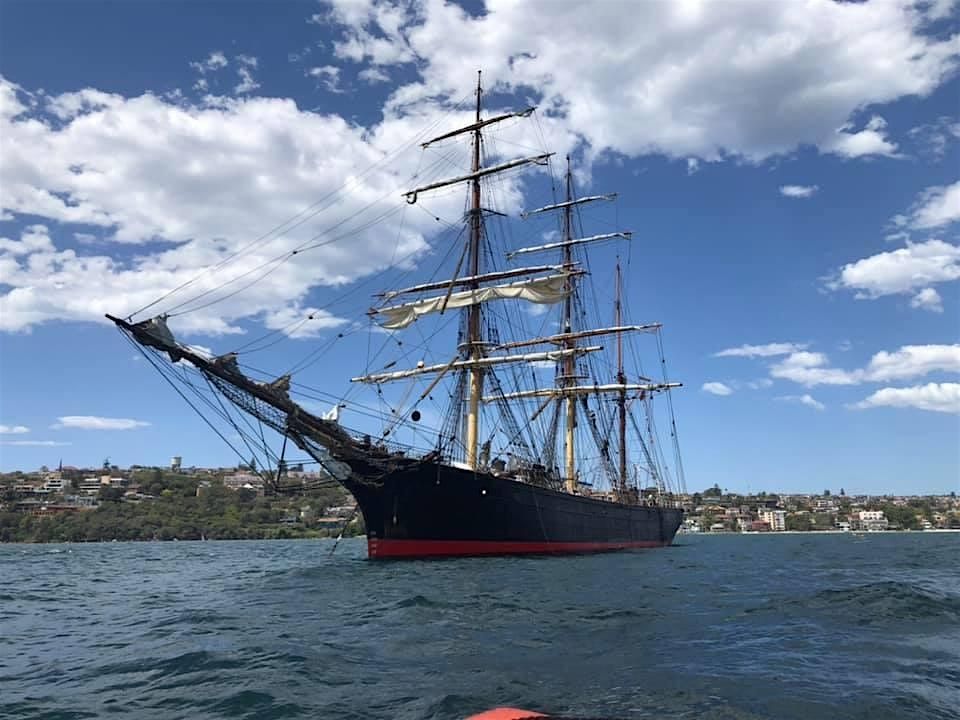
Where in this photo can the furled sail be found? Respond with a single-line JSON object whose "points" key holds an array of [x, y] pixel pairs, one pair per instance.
{"points": [[584, 390], [549, 356], [568, 243], [545, 290]]}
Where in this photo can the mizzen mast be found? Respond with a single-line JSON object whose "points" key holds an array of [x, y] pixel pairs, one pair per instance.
{"points": [[569, 365]]}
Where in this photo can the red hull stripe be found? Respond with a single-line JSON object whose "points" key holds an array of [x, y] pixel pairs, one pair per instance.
{"points": [[377, 548]]}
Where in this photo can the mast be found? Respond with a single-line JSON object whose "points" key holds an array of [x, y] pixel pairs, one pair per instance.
{"points": [[621, 380], [569, 365], [474, 349]]}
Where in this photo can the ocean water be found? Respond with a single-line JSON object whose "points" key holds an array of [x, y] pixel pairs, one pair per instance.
{"points": [[777, 626]]}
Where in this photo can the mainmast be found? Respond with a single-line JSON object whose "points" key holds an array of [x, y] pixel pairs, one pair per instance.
{"points": [[568, 379], [474, 348], [622, 381]]}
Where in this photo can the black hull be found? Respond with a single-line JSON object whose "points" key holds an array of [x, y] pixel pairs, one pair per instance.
{"points": [[427, 509]]}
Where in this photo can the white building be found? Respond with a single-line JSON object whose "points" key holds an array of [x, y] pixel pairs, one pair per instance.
{"points": [[56, 483], [247, 481], [90, 485], [776, 519], [870, 520]]}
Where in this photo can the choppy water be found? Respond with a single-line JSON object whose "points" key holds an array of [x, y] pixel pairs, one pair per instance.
{"points": [[791, 626]]}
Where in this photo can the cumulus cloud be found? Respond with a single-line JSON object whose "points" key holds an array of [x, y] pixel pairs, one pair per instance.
{"points": [[13, 429], [768, 350], [927, 299], [92, 422], [871, 140], [668, 90], [906, 270], [204, 179], [913, 361], [717, 388], [805, 399], [798, 191], [935, 397], [812, 368], [936, 207]]}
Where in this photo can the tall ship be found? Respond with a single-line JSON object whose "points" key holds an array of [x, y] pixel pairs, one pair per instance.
{"points": [[547, 428]]}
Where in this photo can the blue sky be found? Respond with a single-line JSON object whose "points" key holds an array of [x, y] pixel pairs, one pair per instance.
{"points": [[790, 172]]}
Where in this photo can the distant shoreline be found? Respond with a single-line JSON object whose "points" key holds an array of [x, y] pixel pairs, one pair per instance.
{"points": [[856, 533]]}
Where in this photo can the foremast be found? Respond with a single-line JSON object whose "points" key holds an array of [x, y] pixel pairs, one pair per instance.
{"points": [[473, 350]]}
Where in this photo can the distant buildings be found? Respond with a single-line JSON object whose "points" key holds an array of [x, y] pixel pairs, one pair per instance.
{"points": [[869, 520], [244, 481], [776, 520]]}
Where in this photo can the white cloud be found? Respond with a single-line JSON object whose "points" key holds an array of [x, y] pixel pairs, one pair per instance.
{"points": [[936, 207], [934, 138], [812, 368], [905, 270], [809, 368], [667, 90], [34, 443], [913, 361], [13, 429], [216, 60], [939, 9], [373, 75], [201, 350], [927, 299], [872, 140], [207, 178], [329, 76], [693, 165], [768, 350], [798, 191], [92, 422], [759, 384], [936, 397], [805, 399], [247, 84], [716, 388], [299, 322]]}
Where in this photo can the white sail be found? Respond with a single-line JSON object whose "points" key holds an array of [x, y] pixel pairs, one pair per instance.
{"points": [[552, 355], [545, 290]]}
